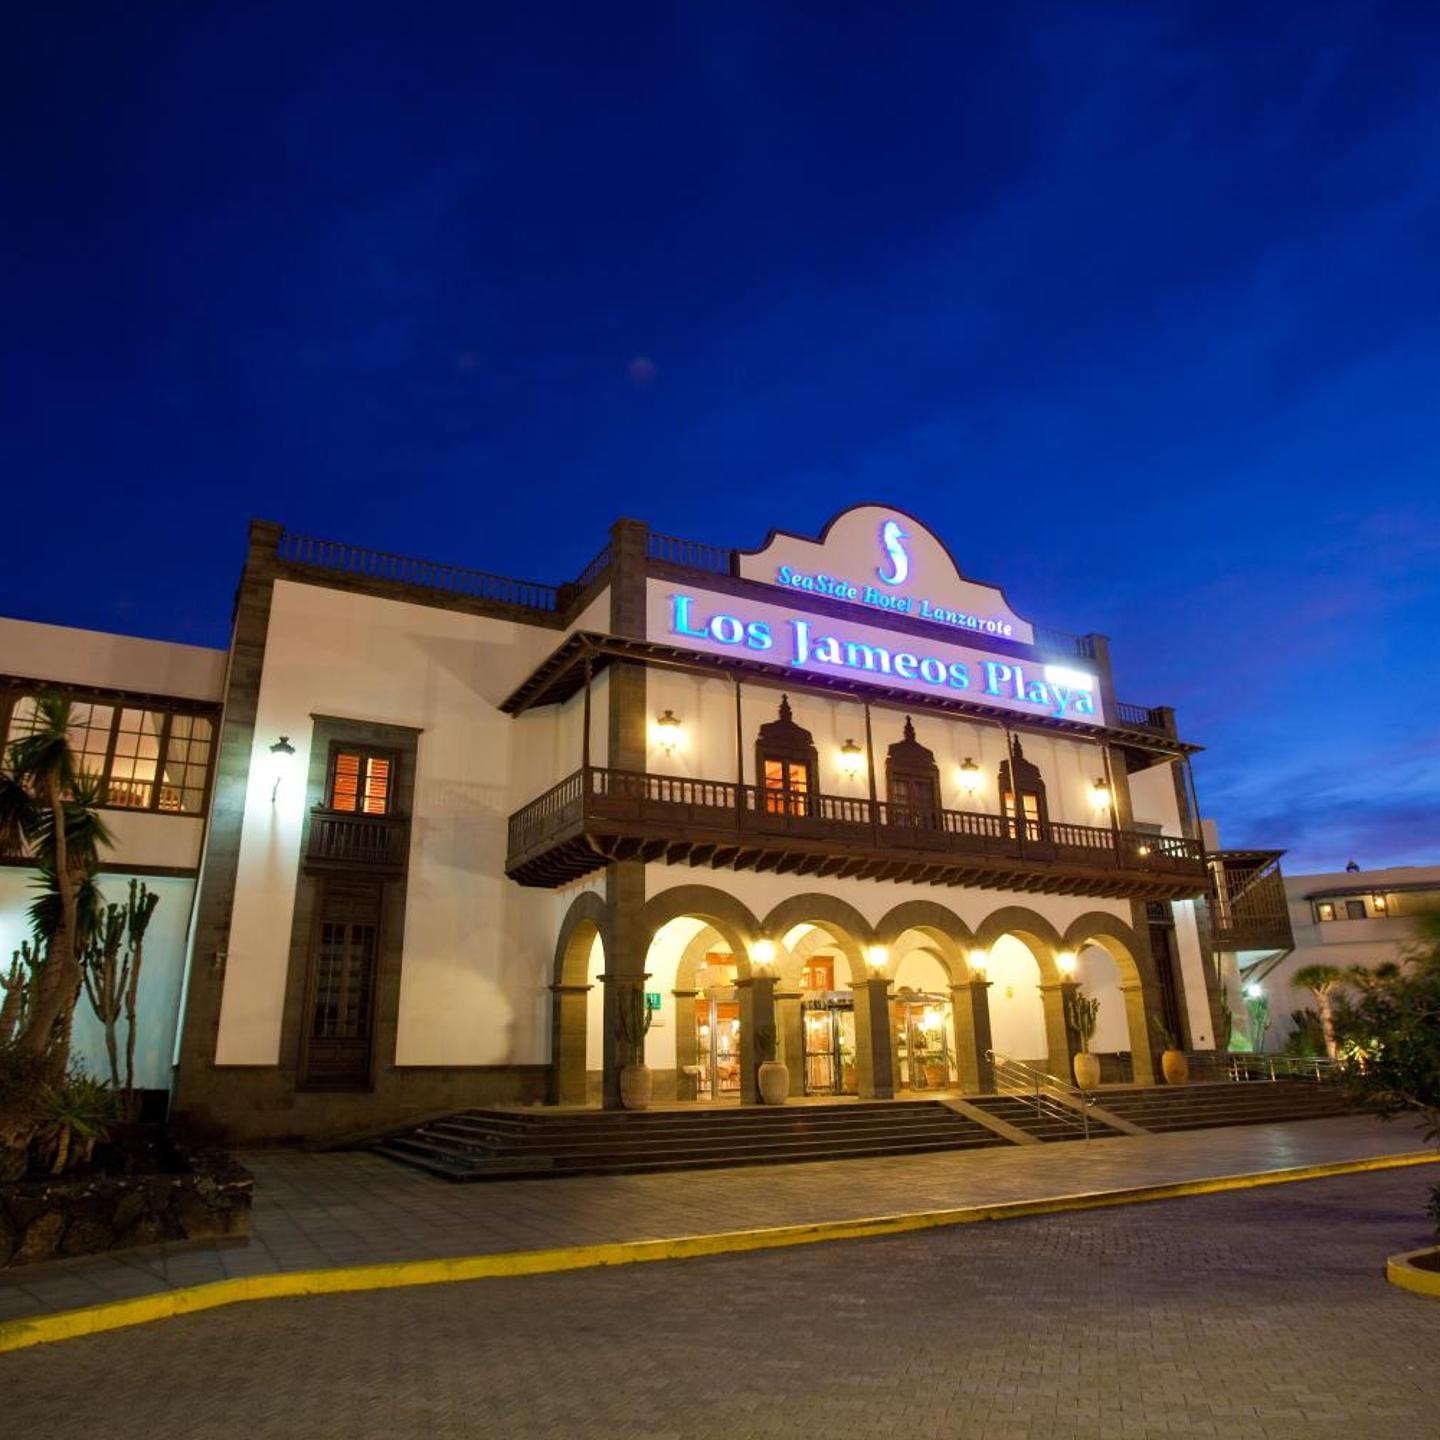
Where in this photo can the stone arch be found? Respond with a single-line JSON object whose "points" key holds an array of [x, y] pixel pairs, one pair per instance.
{"points": [[1139, 984], [848, 929], [944, 932], [727, 916], [586, 920], [1042, 938]]}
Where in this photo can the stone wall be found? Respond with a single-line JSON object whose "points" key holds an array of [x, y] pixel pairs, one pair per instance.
{"points": [[56, 1219]]}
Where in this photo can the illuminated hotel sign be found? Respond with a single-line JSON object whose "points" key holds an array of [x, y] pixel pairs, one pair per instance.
{"points": [[718, 624], [875, 557]]}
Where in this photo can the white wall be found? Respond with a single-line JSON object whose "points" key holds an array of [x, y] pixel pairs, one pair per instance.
{"points": [[67, 656], [1099, 977], [158, 1001], [1017, 1009], [478, 949]]}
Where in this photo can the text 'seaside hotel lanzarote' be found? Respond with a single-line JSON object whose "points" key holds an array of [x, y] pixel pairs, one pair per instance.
{"points": [[496, 805]]}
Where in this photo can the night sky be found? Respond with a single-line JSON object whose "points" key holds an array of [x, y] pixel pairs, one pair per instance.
{"points": [[1137, 305]]}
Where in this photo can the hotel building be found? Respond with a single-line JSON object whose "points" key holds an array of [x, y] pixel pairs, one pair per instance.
{"points": [[426, 832]]}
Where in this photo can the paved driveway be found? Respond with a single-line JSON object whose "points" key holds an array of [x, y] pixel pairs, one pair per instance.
{"points": [[1255, 1313]]}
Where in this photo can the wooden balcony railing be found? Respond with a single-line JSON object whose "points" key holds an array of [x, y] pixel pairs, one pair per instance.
{"points": [[599, 814], [369, 843]]}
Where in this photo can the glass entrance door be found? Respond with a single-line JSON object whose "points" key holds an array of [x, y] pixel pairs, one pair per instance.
{"points": [[922, 1042], [829, 1035], [717, 1047]]}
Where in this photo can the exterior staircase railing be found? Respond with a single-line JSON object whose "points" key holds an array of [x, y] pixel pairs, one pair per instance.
{"points": [[1041, 1091], [1265, 1069]]}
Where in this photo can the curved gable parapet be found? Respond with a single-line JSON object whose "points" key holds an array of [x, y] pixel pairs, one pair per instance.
{"points": [[882, 559]]}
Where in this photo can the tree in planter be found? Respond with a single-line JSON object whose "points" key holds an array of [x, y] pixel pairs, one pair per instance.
{"points": [[1083, 1013], [1322, 981]]}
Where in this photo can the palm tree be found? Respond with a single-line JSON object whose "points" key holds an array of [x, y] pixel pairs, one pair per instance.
{"points": [[43, 765], [1322, 981]]}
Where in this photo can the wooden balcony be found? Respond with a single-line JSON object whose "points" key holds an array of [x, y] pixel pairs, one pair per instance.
{"points": [[1249, 909], [359, 844], [598, 815]]}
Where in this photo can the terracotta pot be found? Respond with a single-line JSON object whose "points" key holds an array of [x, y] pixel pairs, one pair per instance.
{"points": [[774, 1082], [635, 1082], [1087, 1070], [1175, 1067]]}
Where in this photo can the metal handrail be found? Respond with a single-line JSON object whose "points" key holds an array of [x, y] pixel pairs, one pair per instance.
{"points": [[1248, 1067], [1039, 1089]]}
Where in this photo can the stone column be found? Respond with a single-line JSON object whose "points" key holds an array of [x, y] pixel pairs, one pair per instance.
{"points": [[568, 1024], [1060, 1041], [757, 1010], [970, 1011], [687, 1051], [1141, 1002], [627, 947], [874, 1050], [790, 1022]]}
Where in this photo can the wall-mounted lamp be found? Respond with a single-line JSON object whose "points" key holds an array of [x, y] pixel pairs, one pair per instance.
{"points": [[1100, 794], [1378, 901], [280, 755], [1065, 963], [1253, 992], [979, 963], [876, 957], [852, 760], [667, 731], [970, 778], [762, 956], [1142, 849]]}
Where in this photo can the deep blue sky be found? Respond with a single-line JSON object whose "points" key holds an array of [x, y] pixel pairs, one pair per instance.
{"points": [[1137, 304]]}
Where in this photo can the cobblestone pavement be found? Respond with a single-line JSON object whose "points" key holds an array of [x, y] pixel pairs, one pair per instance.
{"points": [[1259, 1313], [317, 1211]]}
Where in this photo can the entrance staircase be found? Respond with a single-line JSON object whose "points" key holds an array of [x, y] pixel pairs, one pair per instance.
{"points": [[1201, 1106], [1046, 1123], [509, 1145]]}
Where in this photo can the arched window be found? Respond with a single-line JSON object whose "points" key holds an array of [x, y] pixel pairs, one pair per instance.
{"points": [[1031, 789], [786, 763], [912, 782]]}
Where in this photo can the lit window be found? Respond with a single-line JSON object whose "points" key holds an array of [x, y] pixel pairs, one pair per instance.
{"points": [[1325, 911], [1379, 903], [130, 749], [360, 781]]}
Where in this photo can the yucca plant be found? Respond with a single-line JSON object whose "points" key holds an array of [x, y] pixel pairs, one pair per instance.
{"points": [[75, 1115]]}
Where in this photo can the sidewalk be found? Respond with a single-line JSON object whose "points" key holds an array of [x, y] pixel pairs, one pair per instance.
{"points": [[350, 1208]]}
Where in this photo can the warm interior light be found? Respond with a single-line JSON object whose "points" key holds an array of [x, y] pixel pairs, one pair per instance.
{"points": [[877, 956], [667, 731], [979, 962], [1065, 963], [970, 777], [852, 760], [762, 954]]}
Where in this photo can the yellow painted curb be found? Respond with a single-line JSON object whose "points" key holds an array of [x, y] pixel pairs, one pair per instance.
{"points": [[1402, 1271], [190, 1300]]}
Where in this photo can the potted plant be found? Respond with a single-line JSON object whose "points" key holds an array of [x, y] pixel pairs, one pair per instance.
{"points": [[635, 1020], [1083, 1011], [1173, 1064], [774, 1075]]}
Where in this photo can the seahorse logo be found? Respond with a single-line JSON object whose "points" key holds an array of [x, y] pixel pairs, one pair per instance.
{"points": [[890, 537]]}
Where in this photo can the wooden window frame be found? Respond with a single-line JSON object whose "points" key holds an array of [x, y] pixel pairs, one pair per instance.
{"points": [[118, 702], [365, 752]]}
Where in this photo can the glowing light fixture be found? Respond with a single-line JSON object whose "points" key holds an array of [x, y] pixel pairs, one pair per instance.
{"points": [[667, 731], [1101, 794], [852, 760], [762, 954], [1065, 963], [1072, 679], [970, 778], [1378, 902], [1253, 992], [876, 957], [281, 753], [980, 962]]}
